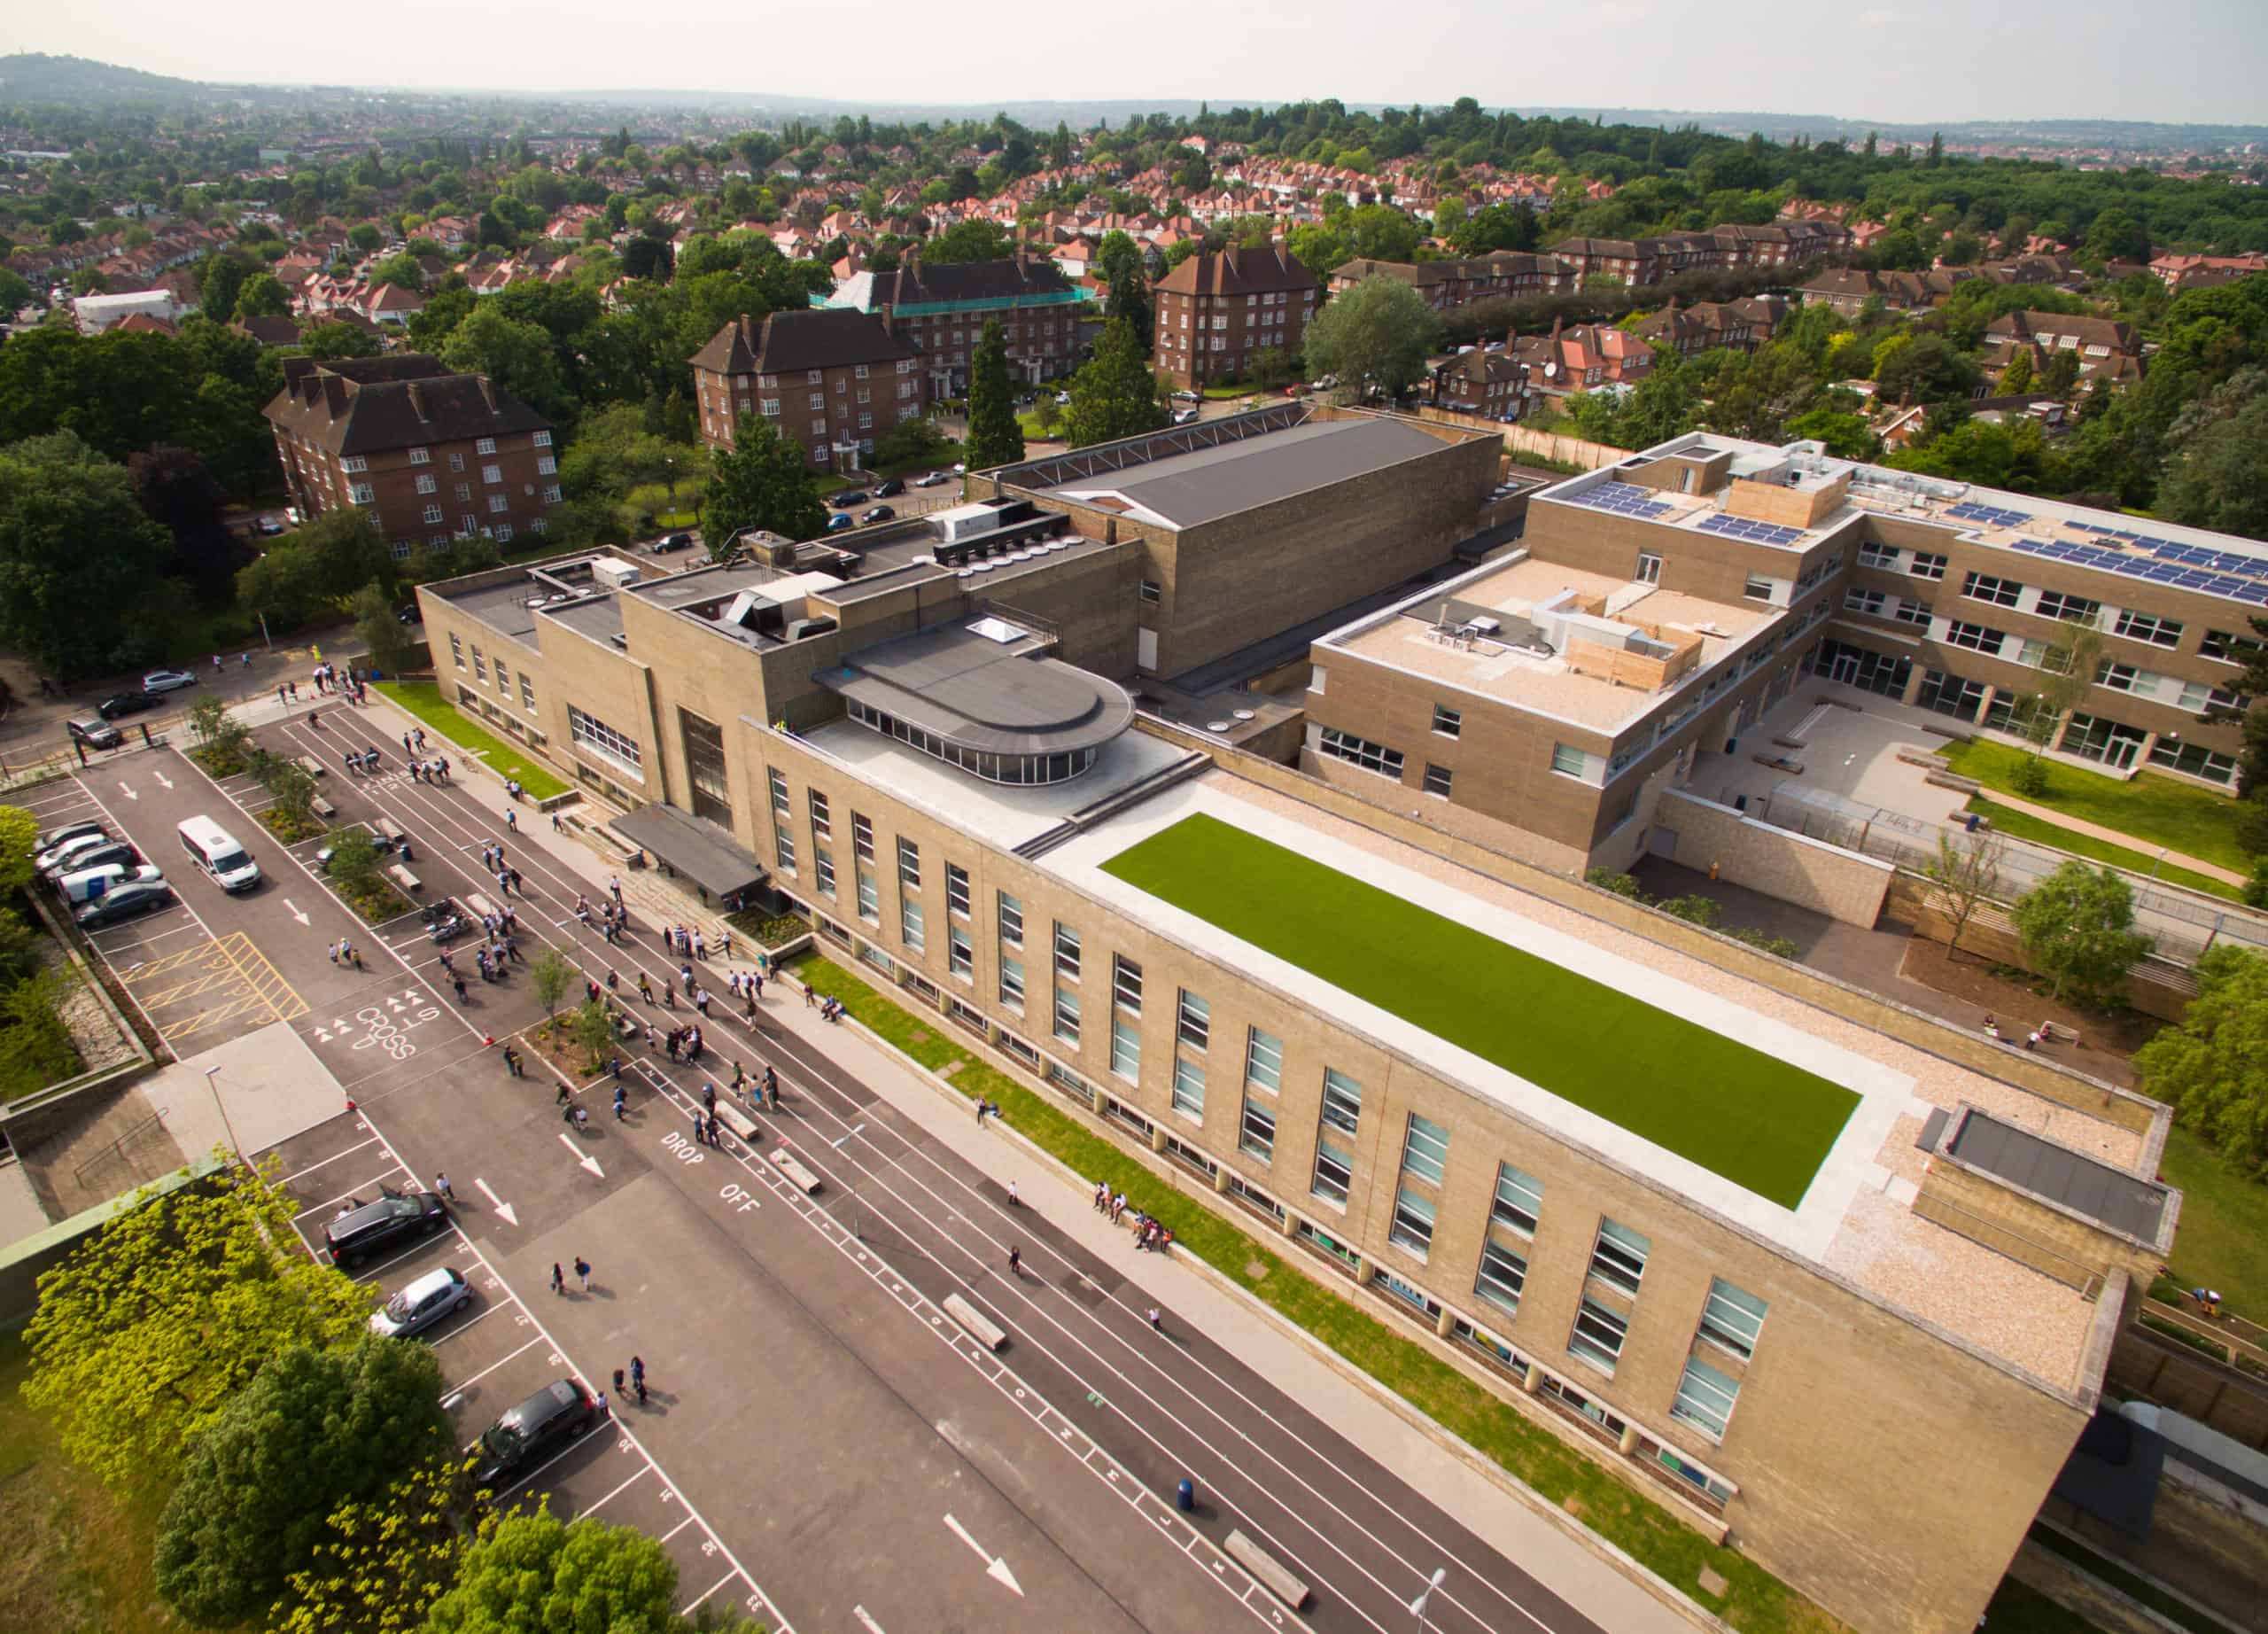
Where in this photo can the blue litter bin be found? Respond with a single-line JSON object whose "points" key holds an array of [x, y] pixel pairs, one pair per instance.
{"points": [[1184, 1496]]}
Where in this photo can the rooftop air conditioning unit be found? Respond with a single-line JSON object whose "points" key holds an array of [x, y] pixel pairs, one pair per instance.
{"points": [[1485, 627]]}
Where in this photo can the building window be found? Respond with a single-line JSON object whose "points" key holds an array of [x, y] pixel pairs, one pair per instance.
{"points": [[492, 473], [1447, 721], [1519, 1201], [870, 902], [1950, 695], [1873, 555], [909, 865], [1263, 1060], [1985, 587], [2060, 605], [1650, 568], [783, 845], [1343, 1101], [497, 504], [428, 485], [2148, 627], [487, 445], [1011, 982], [1927, 567], [1977, 637], [1067, 1016], [961, 952], [862, 837], [2117, 677], [1335, 1173], [1867, 601], [1151, 593], [1066, 951], [1598, 1335], [456, 649], [1189, 1088], [1412, 1230], [1912, 613], [2228, 647], [1569, 761], [1012, 921], [480, 667], [2194, 759], [823, 868], [1371, 757], [1195, 1023], [600, 738], [1619, 1257], [778, 782], [419, 456], [1733, 1318], [1503, 1274], [527, 693], [1126, 1048], [1438, 779], [1704, 1397], [432, 515], [822, 822], [957, 890], [456, 462], [1257, 1137], [1426, 1149], [910, 929], [1758, 587], [1126, 984]]}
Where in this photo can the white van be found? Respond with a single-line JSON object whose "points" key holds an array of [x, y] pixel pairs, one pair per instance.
{"points": [[87, 883], [217, 854]]}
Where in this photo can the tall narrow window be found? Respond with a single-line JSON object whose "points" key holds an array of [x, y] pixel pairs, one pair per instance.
{"points": [[1619, 1257], [1126, 984], [1011, 921], [1343, 1101], [1263, 1060], [1426, 1149], [1066, 951], [1519, 1201], [1196, 1021]]}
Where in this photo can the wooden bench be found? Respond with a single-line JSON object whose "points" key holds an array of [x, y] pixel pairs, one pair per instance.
{"points": [[481, 906], [739, 1122], [981, 1327], [1266, 1570], [1780, 763], [322, 807], [784, 1161], [404, 878], [312, 767], [388, 829]]}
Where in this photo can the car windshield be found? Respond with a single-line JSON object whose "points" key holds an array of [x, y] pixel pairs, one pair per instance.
{"points": [[397, 1307], [225, 862]]}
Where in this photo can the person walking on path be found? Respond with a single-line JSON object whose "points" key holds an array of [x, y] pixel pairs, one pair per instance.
{"points": [[1157, 1323], [1016, 1262], [558, 1279], [620, 1101], [441, 1185], [583, 1270], [512, 821], [1014, 1201], [618, 1390], [638, 1378]]}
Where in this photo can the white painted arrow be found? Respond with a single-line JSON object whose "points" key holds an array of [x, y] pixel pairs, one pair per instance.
{"points": [[503, 1209], [127, 791], [581, 1157], [994, 1566], [162, 778], [295, 912]]}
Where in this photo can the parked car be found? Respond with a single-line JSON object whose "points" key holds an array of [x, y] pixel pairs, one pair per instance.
{"points": [[49, 861], [50, 838], [841, 522], [876, 513], [443, 922], [96, 856], [960, 468], [668, 542], [422, 1302], [292, 515], [380, 842], [1295, 390], [126, 902], [93, 731], [933, 479], [1184, 417], [1187, 396], [848, 498], [167, 680], [889, 487], [100, 879], [360, 1232], [1325, 383], [407, 614], [269, 528], [555, 1415], [126, 704]]}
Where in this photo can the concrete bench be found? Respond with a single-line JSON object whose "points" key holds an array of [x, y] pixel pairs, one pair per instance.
{"points": [[1266, 1570], [981, 1327], [388, 829], [797, 1175], [312, 767], [404, 878], [322, 807], [1952, 780], [739, 1122], [481, 906]]}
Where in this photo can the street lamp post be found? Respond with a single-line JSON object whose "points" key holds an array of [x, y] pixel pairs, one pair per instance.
{"points": [[212, 1082], [1418, 1607]]}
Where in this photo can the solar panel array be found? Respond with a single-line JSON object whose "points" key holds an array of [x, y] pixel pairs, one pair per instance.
{"points": [[1759, 532], [2183, 571], [1625, 499], [1968, 511]]}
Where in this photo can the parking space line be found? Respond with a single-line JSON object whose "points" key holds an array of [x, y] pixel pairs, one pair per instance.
{"points": [[467, 1327], [693, 1604], [464, 1384], [384, 1266], [590, 1509], [376, 1181], [333, 1158], [527, 1480], [674, 1530]]}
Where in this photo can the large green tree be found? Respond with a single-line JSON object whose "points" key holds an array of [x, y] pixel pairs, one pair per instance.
{"points": [[973, 240], [533, 1574], [313, 1430], [2213, 1067], [1114, 395], [79, 559], [760, 482], [994, 436], [2078, 929], [519, 357], [147, 1331], [384, 1558], [2216, 470], [1120, 259], [1379, 333], [317, 566]]}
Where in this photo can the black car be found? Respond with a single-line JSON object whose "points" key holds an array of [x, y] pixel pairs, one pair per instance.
{"points": [[555, 1415], [126, 704], [362, 1231], [668, 542], [876, 513], [848, 498], [407, 614], [443, 922], [889, 489], [126, 901]]}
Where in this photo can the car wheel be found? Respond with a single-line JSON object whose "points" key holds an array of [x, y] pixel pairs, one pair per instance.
{"points": [[463, 1299], [353, 1260], [576, 1434], [433, 1224]]}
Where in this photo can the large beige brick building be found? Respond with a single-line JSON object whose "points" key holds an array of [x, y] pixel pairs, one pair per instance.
{"points": [[917, 737]]}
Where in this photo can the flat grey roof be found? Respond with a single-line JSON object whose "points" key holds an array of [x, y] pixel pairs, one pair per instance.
{"points": [[977, 692], [504, 607], [599, 617], [1184, 490], [2124, 1202]]}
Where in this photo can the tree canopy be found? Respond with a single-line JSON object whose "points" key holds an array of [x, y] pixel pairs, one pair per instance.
{"points": [[760, 482], [536, 1572], [80, 561], [2213, 1067], [1114, 395], [1380, 332], [2078, 929], [994, 436]]}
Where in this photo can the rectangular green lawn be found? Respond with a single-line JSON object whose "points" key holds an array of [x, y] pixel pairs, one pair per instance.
{"points": [[1757, 1121]]}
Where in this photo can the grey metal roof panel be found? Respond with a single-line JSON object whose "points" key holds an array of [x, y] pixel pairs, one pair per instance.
{"points": [[984, 695], [1187, 489], [2126, 1203]]}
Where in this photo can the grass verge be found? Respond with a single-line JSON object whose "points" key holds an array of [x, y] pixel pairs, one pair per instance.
{"points": [[288, 826], [1754, 1601], [78, 1555], [2155, 810], [2224, 1238], [424, 699], [2103, 1568], [1759, 1122], [2025, 826]]}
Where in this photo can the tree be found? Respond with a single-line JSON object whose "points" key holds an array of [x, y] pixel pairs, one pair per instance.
{"points": [[2078, 929], [326, 341], [392, 649], [1047, 414], [593, 1028], [550, 977], [79, 560], [1379, 333], [1497, 227], [536, 1572], [263, 296], [760, 482], [1114, 395], [994, 437], [1128, 280], [1380, 232], [145, 1332], [1961, 879], [2213, 1069], [19, 829], [972, 240], [312, 1430], [2214, 475], [2017, 376], [384, 1559], [353, 860], [174, 490], [290, 787], [2067, 669], [218, 279], [517, 357], [317, 566]]}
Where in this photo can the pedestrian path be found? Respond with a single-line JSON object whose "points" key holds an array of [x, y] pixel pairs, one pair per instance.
{"points": [[2095, 830]]}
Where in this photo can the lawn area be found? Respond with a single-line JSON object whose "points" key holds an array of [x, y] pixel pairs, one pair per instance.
{"points": [[2156, 811], [1223, 394], [1738, 1112], [2222, 1241], [1754, 1602], [78, 1560], [2025, 826], [424, 699]]}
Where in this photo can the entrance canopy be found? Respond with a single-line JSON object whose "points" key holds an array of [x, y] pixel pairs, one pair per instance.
{"points": [[703, 852]]}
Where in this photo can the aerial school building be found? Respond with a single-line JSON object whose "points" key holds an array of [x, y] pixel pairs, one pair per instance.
{"points": [[1841, 1297]]}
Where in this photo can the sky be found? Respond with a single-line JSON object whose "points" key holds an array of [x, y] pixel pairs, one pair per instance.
{"points": [[1891, 60]]}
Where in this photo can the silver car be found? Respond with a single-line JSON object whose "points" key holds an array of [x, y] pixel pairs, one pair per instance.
{"points": [[421, 1304]]}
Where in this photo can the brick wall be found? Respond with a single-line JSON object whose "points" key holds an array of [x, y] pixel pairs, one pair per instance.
{"points": [[1823, 878]]}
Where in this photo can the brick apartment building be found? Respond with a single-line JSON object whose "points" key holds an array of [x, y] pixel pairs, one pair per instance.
{"points": [[1445, 285], [828, 381], [1641, 261], [1487, 381], [432, 455], [943, 309], [1705, 325], [1216, 313]]}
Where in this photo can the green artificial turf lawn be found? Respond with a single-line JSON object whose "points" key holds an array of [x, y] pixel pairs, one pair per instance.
{"points": [[1736, 1111]]}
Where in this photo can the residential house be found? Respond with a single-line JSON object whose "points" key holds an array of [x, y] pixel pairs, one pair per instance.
{"points": [[1487, 381], [1445, 285], [942, 309]]}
